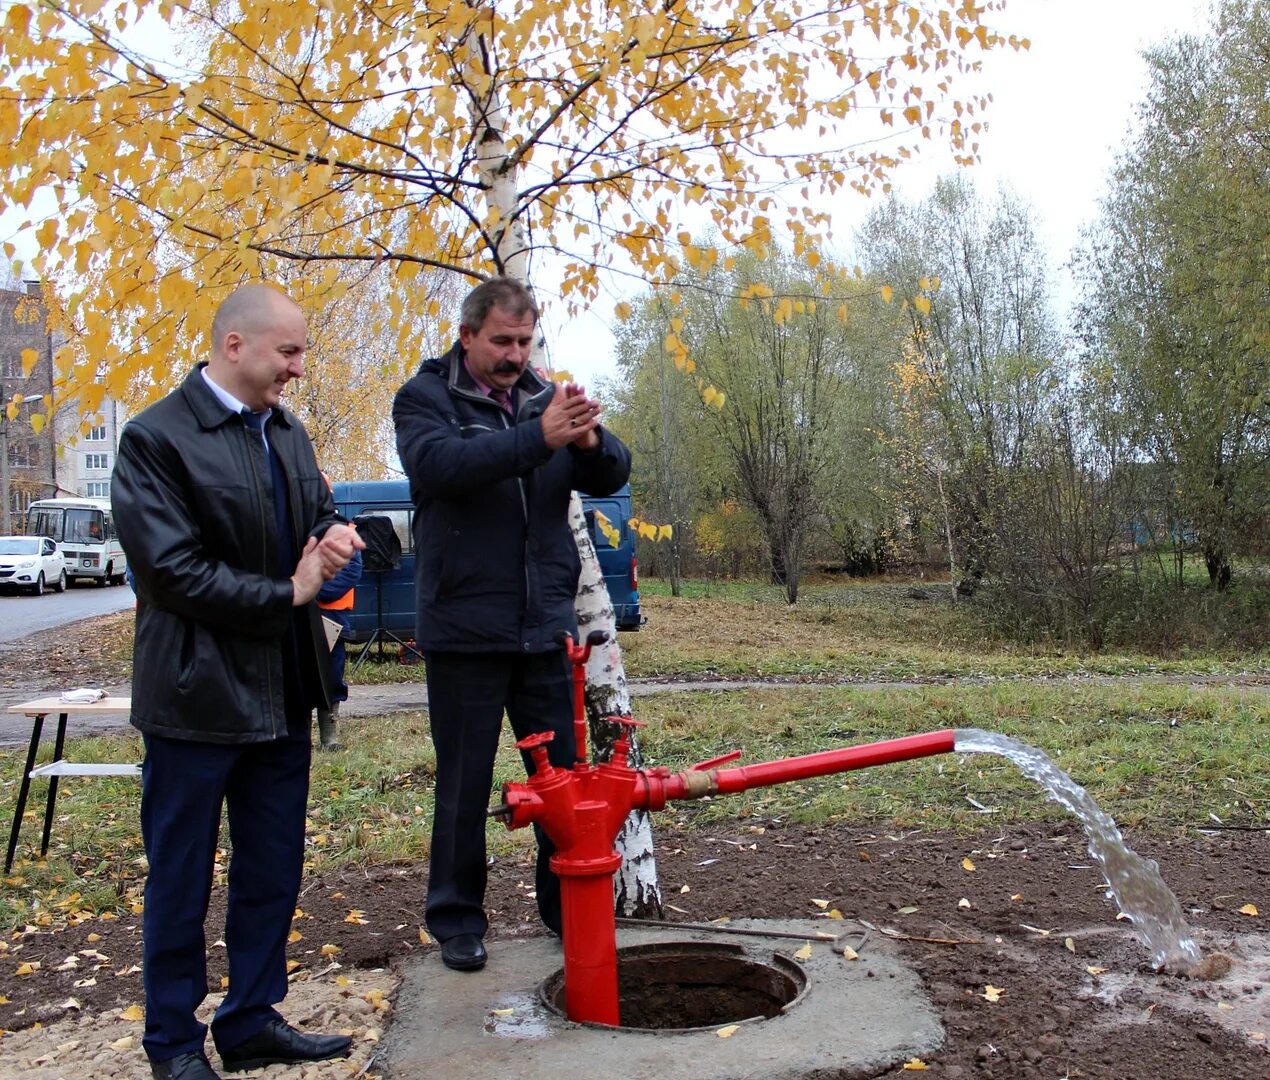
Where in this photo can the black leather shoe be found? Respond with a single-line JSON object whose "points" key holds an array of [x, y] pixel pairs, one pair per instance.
{"points": [[191, 1066], [278, 1043], [463, 952]]}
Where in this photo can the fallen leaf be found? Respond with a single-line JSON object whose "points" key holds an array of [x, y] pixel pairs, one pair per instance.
{"points": [[343, 980], [29, 968], [963, 903], [1249, 909], [915, 1065], [967, 865], [834, 914], [992, 993], [1095, 971], [848, 953], [907, 910], [1017, 897], [686, 889], [224, 982], [822, 904], [1224, 1005], [804, 953], [356, 917], [4, 1000], [727, 1032], [70, 1003], [1256, 1036], [93, 937], [502, 1012], [292, 965], [85, 982], [329, 950], [424, 937], [1037, 930], [1069, 945], [294, 936], [126, 1043], [133, 1012]]}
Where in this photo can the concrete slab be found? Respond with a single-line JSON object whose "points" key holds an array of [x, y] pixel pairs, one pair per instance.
{"points": [[856, 1018]]}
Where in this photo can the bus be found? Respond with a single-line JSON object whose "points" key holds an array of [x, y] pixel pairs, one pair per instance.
{"points": [[85, 531]]}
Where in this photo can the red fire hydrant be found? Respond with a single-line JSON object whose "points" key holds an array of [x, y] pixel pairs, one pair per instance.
{"points": [[582, 810]]}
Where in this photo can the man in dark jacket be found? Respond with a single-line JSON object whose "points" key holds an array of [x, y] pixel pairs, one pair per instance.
{"points": [[492, 452], [230, 532]]}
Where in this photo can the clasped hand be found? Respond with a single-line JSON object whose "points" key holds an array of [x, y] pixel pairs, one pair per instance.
{"points": [[571, 417], [322, 560]]}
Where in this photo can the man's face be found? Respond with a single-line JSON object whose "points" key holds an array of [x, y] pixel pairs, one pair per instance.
{"points": [[264, 358], [498, 352]]}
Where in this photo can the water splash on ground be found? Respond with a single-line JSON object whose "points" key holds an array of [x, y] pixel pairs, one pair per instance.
{"points": [[1135, 882]]}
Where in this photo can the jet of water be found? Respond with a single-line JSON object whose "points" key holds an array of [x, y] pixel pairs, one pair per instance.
{"points": [[1135, 882]]}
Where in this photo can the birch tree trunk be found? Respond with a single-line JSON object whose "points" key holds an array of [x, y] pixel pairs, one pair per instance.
{"points": [[636, 888]]}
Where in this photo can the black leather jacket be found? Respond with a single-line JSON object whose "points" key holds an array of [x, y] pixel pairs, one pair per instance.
{"points": [[496, 567], [192, 505]]}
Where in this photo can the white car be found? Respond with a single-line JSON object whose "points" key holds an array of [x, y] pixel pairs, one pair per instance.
{"points": [[31, 562]]}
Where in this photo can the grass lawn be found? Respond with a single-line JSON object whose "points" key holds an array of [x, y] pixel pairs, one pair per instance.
{"points": [[1155, 755]]}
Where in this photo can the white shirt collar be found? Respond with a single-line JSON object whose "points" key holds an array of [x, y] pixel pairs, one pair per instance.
{"points": [[225, 397]]}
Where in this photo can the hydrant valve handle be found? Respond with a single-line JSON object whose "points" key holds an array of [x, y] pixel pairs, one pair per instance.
{"points": [[714, 763], [538, 738], [596, 638]]}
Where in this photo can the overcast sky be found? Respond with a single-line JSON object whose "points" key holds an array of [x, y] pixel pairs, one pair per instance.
{"points": [[1059, 112]]}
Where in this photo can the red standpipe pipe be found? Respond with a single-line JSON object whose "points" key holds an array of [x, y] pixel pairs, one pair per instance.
{"points": [[655, 791]]}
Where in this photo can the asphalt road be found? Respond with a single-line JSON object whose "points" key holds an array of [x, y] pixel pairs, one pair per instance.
{"points": [[23, 615]]}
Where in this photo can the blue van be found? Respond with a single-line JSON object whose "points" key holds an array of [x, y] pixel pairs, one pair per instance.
{"points": [[385, 598]]}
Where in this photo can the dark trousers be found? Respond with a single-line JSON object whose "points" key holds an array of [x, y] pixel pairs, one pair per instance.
{"points": [[183, 785], [467, 695]]}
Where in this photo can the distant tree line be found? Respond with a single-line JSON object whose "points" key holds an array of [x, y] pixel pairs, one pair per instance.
{"points": [[925, 409]]}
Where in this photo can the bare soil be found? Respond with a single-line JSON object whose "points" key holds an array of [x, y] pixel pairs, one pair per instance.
{"points": [[1029, 925]]}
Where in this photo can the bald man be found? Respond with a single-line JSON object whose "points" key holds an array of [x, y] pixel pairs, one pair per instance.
{"points": [[230, 532]]}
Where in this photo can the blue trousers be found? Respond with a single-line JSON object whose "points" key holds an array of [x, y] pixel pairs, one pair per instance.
{"points": [[183, 786], [467, 695]]}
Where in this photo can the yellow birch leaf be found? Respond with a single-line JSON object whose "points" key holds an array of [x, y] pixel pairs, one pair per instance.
{"points": [[963, 903], [887, 294], [922, 304], [28, 969], [915, 1065], [728, 1032], [1249, 909], [686, 888], [126, 1043], [967, 865], [424, 937], [804, 953], [292, 965], [329, 950], [294, 936], [834, 914], [1069, 945], [992, 993], [502, 1012], [822, 904], [848, 953], [1096, 970], [664, 532], [623, 311], [133, 1012]]}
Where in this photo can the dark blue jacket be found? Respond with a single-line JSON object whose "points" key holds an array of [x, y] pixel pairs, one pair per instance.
{"points": [[496, 567]]}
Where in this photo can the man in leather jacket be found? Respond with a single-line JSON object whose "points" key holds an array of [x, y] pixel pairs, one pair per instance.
{"points": [[230, 532], [492, 452]]}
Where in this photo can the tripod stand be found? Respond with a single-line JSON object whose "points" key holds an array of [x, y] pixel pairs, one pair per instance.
{"points": [[381, 556], [381, 632]]}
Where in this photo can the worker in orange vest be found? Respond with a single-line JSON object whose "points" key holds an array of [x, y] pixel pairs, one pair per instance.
{"points": [[335, 598]]}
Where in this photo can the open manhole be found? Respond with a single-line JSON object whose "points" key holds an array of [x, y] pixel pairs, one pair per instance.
{"points": [[686, 986]]}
